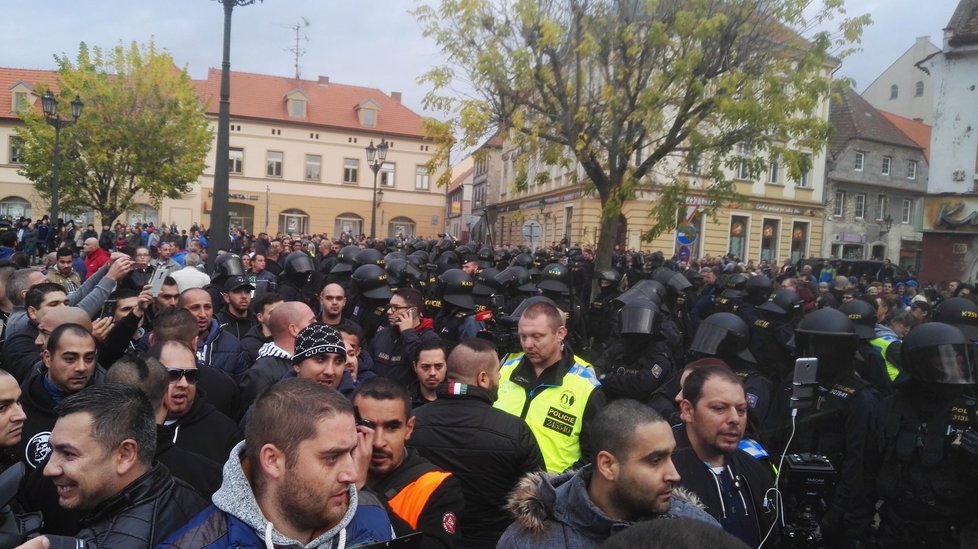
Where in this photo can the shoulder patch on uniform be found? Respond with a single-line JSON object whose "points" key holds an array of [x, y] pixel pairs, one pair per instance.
{"points": [[656, 371], [751, 400], [448, 522], [37, 449]]}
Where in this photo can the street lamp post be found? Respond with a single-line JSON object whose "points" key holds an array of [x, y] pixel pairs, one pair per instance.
{"points": [[220, 222], [50, 105], [375, 158]]}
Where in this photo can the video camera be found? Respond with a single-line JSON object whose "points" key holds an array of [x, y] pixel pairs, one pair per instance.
{"points": [[808, 481]]}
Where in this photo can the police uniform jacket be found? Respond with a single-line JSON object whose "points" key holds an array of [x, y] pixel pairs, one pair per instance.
{"points": [[393, 351]]}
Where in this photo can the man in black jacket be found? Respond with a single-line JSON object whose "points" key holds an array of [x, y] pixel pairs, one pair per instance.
{"points": [[731, 483], [394, 348], [420, 497], [194, 424], [102, 463], [236, 318], [487, 449]]}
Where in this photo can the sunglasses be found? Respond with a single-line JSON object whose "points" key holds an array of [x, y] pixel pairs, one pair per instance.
{"points": [[192, 375]]}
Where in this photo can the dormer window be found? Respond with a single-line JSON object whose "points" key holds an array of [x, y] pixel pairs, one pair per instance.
{"points": [[367, 113], [21, 97], [296, 103]]}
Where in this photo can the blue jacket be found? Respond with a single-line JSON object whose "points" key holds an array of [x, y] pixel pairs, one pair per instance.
{"points": [[221, 350]]}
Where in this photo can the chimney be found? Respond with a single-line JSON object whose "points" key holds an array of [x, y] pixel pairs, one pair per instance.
{"points": [[396, 96], [323, 80]]}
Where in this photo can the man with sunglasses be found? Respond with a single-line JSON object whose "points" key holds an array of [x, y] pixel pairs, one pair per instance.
{"points": [[196, 425], [394, 348]]}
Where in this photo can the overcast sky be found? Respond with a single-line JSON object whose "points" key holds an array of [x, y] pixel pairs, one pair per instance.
{"points": [[374, 43]]}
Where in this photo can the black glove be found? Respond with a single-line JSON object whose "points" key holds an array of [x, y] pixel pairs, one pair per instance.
{"points": [[969, 442]]}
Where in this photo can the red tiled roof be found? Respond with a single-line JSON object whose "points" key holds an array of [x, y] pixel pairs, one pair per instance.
{"points": [[329, 104], [915, 130], [31, 77], [460, 180]]}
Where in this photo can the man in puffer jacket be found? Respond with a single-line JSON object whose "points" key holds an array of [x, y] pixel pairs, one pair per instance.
{"points": [[632, 479], [292, 483]]}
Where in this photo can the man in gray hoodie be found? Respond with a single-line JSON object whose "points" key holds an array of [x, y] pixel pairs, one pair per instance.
{"points": [[291, 483], [631, 479]]}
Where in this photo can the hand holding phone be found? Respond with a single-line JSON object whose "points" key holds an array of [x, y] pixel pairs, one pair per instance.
{"points": [[804, 383]]}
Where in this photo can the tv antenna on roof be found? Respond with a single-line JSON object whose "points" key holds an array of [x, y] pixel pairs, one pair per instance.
{"points": [[300, 36]]}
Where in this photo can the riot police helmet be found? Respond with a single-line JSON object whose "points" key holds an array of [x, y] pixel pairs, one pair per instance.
{"points": [[456, 288], [784, 302], [514, 317], [226, 265], [370, 281], [735, 286], [641, 317], [724, 336], [369, 256], [516, 277], [960, 312], [485, 283], [400, 271], [759, 289], [448, 260], [345, 260], [940, 353], [485, 257], [395, 255], [828, 335], [298, 263], [863, 317], [639, 291], [671, 279], [555, 278], [608, 275]]}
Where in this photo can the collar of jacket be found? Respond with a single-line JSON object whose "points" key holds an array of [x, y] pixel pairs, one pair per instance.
{"points": [[139, 491], [552, 375], [455, 390], [271, 349]]}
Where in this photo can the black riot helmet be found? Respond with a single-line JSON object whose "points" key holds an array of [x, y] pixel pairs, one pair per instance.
{"points": [[485, 257], [226, 265], [863, 317], [485, 283], [346, 260], [672, 280], [448, 260], [401, 272], [639, 291], [456, 288], [514, 317], [724, 336], [394, 255], [785, 302], [735, 286], [370, 281], [758, 289], [555, 278], [960, 312], [368, 256], [608, 275], [516, 277], [298, 267], [939, 353], [828, 335], [640, 317]]}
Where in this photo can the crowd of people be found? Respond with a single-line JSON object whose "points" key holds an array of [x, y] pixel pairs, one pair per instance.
{"points": [[317, 392]]}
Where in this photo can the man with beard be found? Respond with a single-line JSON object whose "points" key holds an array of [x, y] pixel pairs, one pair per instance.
{"points": [[429, 372], [215, 347], [301, 456], [235, 318], [631, 479], [65, 275], [487, 449], [421, 498], [332, 301], [731, 482]]}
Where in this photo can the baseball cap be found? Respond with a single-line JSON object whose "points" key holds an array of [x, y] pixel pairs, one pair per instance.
{"points": [[237, 282]]}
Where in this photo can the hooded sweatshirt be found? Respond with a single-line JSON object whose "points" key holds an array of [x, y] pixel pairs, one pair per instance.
{"points": [[555, 511], [236, 520]]}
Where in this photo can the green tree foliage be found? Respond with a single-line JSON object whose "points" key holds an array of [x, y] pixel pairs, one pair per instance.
{"points": [[142, 132], [632, 90]]}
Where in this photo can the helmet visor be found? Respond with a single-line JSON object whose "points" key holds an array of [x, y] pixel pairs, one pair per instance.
{"points": [[638, 320], [949, 364]]}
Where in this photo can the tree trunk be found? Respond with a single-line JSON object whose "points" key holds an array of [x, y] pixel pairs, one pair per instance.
{"points": [[606, 247]]}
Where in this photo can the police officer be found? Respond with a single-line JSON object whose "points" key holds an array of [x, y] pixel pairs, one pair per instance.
{"points": [[294, 283], [733, 293], [371, 297], [601, 308], [839, 425], [225, 266], [727, 337], [638, 363], [929, 444], [456, 319], [343, 268], [757, 292], [870, 362], [555, 284]]}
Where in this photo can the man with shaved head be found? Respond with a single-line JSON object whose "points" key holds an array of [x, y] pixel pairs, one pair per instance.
{"points": [[487, 449], [215, 347], [275, 358], [95, 256]]}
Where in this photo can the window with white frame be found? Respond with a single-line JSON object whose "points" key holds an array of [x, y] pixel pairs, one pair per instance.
{"points": [[774, 170], [882, 205], [804, 181], [20, 101], [421, 178], [235, 160], [860, 205], [743, 168], [885, 169], [314, 164], [911, 169], [351, 170], [919, 89], [16, 150], [906, 213], [273, 163], [839, 207], [860, 160], [387, 174]]}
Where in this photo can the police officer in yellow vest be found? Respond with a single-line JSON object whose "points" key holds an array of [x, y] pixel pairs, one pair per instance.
{"points": [[554, 391]]}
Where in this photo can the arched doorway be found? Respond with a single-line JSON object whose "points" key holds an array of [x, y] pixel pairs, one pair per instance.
{"points": [[349, 223], [401, 226], [14, 207]]}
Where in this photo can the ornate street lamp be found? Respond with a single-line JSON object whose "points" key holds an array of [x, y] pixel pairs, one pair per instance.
{"points": [[375, 158], [50, 105], [887, 224]]}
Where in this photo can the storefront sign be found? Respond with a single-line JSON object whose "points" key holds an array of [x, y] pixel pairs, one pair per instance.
{"points": [[775, 208], [237, 196], [855, 238]]}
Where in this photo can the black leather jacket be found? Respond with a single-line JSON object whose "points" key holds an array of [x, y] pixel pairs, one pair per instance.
{"points": [[144, 513]]}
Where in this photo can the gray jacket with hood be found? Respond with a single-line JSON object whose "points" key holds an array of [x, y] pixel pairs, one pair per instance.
{"points": [[555, 511]]}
